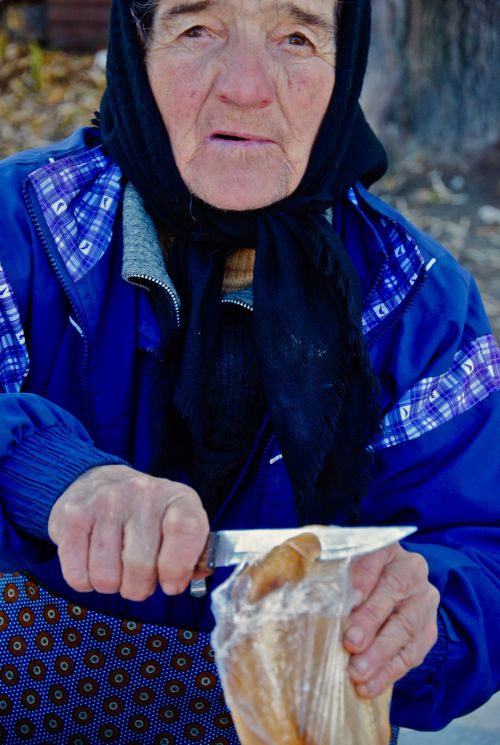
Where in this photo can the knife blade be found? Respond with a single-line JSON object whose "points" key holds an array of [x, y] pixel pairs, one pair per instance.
{"points": [[228, 547]]}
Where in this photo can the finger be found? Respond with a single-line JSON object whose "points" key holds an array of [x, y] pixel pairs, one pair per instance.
{"points": [[202, 573], [413, 624], [366, 570], [396, 668], [73, 556], [185, 530], [139, 558], [400, 578], [104, 563]]}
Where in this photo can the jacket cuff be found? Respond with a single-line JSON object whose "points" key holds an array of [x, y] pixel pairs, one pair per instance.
{"points": [[38, 471], [424, 673]]}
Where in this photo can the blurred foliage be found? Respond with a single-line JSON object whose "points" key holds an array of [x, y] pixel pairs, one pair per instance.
{"points": [[4, 40], [36, 64], [44, 94]]}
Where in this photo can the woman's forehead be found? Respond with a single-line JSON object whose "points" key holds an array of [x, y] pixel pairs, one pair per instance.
{"points": [[304, 11]]}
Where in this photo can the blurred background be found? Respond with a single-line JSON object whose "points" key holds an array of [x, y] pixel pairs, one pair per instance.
{"points": [[432, 93]]}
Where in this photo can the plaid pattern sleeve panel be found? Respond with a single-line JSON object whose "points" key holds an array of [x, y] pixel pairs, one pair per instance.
{"points": [[14, 361], [473, 375], [79, 197]]}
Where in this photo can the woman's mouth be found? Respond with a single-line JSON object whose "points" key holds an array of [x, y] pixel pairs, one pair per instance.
{"points": [[232, 138], [239, 139]]}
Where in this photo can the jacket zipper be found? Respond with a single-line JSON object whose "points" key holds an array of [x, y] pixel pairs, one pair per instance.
{"points": [[240, 303], [67, 291], [371, 337], [406, 303], [152, 280]]}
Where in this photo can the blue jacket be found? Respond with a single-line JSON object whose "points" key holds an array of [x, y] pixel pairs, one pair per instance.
{"points": [[78, 340]]}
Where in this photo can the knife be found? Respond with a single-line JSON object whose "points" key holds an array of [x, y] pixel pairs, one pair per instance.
{"points": [[227, 547]]}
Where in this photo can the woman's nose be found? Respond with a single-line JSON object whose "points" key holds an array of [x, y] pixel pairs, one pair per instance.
{"points": [[244, 79]]}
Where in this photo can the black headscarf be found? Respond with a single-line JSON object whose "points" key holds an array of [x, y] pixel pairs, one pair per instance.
{"points": [[313, 363]]}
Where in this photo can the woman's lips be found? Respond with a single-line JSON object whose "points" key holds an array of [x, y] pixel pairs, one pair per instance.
{"points": [[239, 139]]}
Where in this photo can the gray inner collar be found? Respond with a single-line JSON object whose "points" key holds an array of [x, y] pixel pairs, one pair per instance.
{"points": [[143, 255]]}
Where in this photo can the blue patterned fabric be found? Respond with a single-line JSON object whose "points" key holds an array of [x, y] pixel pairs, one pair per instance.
{"points": [[14, 362], [394, 736], [404, 265], [79, 197], [71, 675], [474, 375]]}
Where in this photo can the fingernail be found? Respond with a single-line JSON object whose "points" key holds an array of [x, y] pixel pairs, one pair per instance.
{"points": [[170, 588], [368, 689], [357, 597], [360, 664], [354, 635]]}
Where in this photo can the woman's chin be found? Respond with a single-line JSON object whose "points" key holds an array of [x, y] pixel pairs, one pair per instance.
{"points": [[238, 203], [241, 191]]}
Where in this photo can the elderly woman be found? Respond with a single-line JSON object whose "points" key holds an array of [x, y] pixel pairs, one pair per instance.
{"points": [[207, 320]]}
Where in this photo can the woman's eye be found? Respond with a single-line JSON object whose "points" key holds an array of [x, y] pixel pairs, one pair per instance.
{"points": [[194, 32], [298, 40]]}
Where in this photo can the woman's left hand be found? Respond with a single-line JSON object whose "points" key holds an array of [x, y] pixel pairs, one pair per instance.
{"points": [[394, 623]]}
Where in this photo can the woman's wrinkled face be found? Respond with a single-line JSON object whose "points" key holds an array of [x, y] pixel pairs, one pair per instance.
{"points": [[242, 86]]}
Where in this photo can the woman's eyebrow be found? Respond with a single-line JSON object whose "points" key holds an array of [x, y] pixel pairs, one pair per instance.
{"points": [[309, 19], [182, 9]]}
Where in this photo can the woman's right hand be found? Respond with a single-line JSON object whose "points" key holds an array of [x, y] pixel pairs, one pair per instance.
{"points": [[120, 530]]}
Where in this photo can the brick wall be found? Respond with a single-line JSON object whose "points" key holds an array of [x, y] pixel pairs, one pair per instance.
{"points": [[78, 24]]}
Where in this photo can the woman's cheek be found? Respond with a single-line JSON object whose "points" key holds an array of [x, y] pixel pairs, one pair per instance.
{"points": [[309, 91]]}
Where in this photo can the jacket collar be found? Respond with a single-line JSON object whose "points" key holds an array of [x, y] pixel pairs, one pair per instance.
{"points": [[79, 196]]}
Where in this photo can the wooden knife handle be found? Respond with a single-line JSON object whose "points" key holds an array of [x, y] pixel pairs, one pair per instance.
{"points": [[203, 566]]}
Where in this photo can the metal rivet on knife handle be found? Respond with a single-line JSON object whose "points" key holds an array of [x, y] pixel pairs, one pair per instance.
{"points": [[198, 588]]}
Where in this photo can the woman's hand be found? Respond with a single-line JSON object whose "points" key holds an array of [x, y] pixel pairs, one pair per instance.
{"points": [[119, 530], [394, 624]]}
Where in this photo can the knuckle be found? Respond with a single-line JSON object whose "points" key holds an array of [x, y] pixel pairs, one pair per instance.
{"points": [[382, 680], [369, 566], [182, 494], [140, 571], [75, 514], [408, 657], [395, 583], [109, 500], [389, 673], [418, 566], [140, 485], [371, 613], [434, 596], [406, 624], [184, 523], [186, 491]]}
